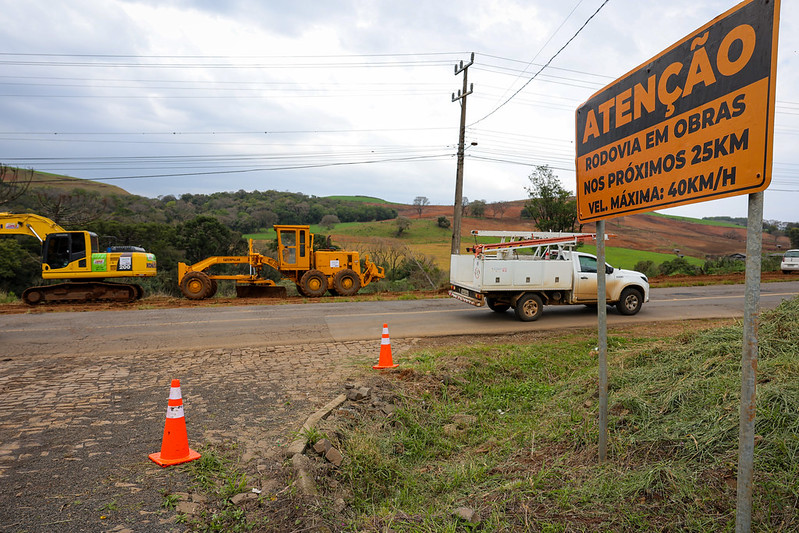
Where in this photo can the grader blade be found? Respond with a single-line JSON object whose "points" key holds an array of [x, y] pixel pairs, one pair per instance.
{"points": [[260, 291]]}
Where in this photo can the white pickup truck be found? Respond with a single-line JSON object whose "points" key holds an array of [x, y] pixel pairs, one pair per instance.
{"points": [[549, 273]]}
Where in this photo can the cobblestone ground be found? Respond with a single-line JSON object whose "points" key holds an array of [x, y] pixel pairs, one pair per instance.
{"points": [[75, 432]]}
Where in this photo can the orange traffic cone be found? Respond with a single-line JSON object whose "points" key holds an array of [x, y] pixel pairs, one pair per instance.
{"points": [[385, 352], [175, 444]]}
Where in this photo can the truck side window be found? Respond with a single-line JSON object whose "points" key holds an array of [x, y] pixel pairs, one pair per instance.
{"points": [[587, 264]]}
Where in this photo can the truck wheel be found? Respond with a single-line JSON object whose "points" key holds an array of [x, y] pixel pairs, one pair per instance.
{"points": [[630, 302], [529, 307], [497, 307], [195, 285], [313, 283], [346, 282]]}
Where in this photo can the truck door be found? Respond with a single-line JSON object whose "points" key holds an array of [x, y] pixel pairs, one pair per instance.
{"points": [[585, 280]]}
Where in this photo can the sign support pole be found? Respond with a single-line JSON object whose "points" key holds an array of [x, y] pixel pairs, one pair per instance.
{"points": [[602, 316], [746, 432]]}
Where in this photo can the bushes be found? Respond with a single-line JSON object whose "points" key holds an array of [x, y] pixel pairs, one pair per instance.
{"points": [[648, 268], [723, 265], [679, 266], [675, 267]]}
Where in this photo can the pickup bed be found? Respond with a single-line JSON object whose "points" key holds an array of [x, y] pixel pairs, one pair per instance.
{"points": [[526, 283]]}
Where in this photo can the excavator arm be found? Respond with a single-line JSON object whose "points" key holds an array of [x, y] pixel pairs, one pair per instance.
{"points": [[28, 224]]}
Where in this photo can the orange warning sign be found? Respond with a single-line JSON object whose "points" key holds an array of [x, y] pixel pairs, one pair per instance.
{"points": [[695, 123]]}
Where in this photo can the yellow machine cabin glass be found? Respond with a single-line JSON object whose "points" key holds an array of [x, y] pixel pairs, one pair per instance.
{"points": [[289, 243], [62, 249], [294, 246]]}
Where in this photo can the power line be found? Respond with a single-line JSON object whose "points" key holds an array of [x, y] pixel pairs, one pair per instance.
{"points": [[544, 46], [544, 66], [265, 169]]}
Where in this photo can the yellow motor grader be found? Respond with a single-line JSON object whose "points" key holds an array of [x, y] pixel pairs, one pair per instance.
{"points": [[340, 272]]}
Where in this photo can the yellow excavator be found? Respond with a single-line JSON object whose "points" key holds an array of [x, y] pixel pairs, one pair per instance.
{"points": [[76, 256]]}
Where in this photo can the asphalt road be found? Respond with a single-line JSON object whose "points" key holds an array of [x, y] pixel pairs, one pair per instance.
{"points": [[144, 331], [83, 394]]}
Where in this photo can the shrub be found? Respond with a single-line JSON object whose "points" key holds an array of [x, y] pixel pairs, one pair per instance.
{"points": [[443, 222], [648, 268], [678, 266], [723, 265]]}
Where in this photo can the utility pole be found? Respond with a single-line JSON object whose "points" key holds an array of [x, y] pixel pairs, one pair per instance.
{"points": [[456, 219]]}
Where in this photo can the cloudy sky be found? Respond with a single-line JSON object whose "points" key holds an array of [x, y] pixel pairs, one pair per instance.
{"points": [[338, 96]]}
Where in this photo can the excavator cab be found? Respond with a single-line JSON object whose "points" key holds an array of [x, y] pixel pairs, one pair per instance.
{"points": [[77, 255], [60, 250]]}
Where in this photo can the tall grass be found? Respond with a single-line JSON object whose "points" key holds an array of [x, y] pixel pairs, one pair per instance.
{"points": [[513, 434]]}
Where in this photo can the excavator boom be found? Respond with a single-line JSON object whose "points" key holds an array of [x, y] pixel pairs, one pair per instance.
{"points": [[28, 224]]}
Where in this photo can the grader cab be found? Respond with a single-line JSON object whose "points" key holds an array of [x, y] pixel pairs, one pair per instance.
{"points": [[340, 272]]}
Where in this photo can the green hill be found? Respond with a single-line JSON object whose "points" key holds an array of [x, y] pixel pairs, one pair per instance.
{"points": [[58, 181]]}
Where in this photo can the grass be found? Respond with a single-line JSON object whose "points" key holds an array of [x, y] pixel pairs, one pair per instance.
{"points": [[424, 237], [58, 181], [362, 199], [514, 436], [8, 297], [627, 257], [718, 223]]}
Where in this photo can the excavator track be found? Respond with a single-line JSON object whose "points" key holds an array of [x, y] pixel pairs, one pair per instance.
{"points": [[79, 292]]}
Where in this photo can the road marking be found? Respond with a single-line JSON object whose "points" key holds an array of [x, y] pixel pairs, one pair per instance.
{"points": [[237, 320], [741, 297], [334, 317]]}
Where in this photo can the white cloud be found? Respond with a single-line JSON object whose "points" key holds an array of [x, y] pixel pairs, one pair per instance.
{"points": [[247, 84]]}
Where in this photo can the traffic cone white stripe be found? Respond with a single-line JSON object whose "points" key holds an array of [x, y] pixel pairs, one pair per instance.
{"points": [[174, 393], [174, 411]]}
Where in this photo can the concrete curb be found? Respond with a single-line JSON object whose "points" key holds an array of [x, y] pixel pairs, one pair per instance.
{"points": [[295, 450], [298, 444]]}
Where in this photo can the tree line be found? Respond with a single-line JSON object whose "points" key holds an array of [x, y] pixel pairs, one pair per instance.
{"points": [[187, 228]]}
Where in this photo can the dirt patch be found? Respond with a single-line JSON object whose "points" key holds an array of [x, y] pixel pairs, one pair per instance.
{"points": [[166, 302], [716, 279], [641, 232]]}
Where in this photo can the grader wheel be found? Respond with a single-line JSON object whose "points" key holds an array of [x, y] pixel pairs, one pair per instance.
{"points": [[196, 285], [313, 284], [346, 282], [213, 290]]}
